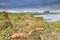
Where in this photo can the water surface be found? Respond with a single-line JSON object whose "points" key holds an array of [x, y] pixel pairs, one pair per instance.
{"points": [[53, 17]]}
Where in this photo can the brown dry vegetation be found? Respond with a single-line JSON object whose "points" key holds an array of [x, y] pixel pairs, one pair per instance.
{"points": [[28, 27]]}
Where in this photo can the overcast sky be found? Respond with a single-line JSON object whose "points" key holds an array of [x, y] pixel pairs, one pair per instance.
{"points": [[24, 4]]}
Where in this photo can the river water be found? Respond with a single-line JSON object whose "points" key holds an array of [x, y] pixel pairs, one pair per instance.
{"points": [[52, 17]]}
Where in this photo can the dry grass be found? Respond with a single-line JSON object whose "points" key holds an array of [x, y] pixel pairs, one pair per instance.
{"points": [[27, 27]]}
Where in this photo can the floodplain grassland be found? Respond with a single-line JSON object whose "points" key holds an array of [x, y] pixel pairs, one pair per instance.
{"points": [[25, 23]]}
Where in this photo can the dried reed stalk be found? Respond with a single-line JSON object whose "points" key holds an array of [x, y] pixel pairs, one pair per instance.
{"points": [[6, 15]]}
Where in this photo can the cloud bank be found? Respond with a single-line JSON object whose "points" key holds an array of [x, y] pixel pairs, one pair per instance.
{"points": [[42, 4]]}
